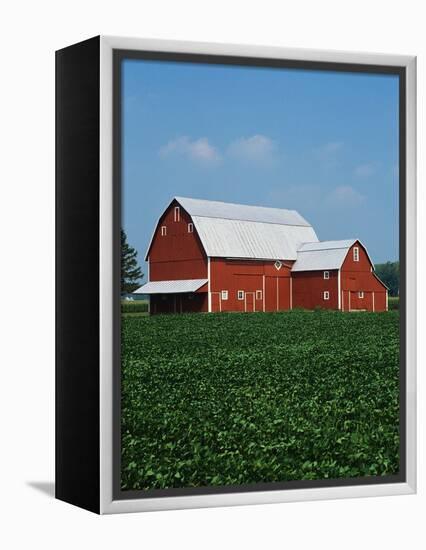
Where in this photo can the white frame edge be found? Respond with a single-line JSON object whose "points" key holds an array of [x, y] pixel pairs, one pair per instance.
{"points": [[107, 504]]}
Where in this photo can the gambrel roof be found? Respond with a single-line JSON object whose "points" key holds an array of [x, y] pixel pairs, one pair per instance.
{"points": [[326, 255], [243, 212], [229, 230]]}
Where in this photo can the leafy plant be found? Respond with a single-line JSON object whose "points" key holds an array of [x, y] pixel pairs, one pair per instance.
{"points": [[230, 399], [393, 302], [137, 306]]}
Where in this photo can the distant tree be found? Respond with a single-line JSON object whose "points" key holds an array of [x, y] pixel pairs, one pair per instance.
{"points": [[389, 274], [131, 273]]}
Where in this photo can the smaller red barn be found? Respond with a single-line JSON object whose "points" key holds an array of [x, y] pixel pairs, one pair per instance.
{"points": [[337, 275]]}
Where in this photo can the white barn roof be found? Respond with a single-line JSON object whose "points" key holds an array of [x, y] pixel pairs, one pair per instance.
{"points": [[231, 211], [318, 256], [254, 232], [171, 287]]}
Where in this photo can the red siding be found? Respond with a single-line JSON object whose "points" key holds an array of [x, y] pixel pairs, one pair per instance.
{"points": [[277, 293], [178, 254], [309, 287], [351, 300], [265, 288], [372, 300], [381, 301], [357, 277]]}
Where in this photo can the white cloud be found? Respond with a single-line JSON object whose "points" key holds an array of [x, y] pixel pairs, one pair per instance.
{"points": [[365, 170], [313, 198], [332, 147], [257, 148], [254, 148], [199, 149], [328, 150], [298, 197], [344, 195]]}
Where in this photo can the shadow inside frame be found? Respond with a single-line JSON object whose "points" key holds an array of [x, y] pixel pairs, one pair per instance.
{"points": [[259, 487], [118, 57]]}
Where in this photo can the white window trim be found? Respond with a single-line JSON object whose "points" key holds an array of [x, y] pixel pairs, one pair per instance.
{"points": [[326, 295], [163, 230], [190, 228], [278, 265], [361, 294], [356, 253], [177, 214], [259, 295], [240, 294], [224, 295], [326, 275]]}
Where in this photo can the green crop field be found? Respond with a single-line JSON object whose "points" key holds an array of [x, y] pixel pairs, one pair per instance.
{"points": [[227, 399], [134, 307]]}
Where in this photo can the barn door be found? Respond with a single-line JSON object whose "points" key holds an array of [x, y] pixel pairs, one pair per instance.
{"points": [[283, 293], [216, 302], [361, 301], [249, 302]]}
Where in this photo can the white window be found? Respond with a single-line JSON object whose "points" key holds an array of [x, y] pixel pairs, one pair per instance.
{"points": [[278, 265], [259, 294], [326, 295], [240, 294], [356, 254], [163, 230], [190, 228], [326, 274], [177, 214], [361, 294], [224, 295]]}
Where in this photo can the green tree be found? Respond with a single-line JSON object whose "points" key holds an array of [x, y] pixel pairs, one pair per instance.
{"points": [[131, 273], [389, 274]]}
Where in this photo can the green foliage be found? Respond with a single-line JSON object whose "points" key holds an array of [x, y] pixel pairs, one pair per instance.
{"points": [[131, 273], [389, 274], [229, 399], [138, 306], [393, 302]]}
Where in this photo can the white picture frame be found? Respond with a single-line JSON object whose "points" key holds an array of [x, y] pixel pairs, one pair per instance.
{"points": [[108, 503]]}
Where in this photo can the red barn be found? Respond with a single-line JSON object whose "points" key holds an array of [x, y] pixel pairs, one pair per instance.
{"points": [[214, 256]]}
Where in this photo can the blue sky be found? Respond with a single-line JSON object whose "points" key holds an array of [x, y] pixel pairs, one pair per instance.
{"points": [[323, 143]]}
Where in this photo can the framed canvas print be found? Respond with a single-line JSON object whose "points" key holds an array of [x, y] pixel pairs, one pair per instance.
{"points": [[236, 292]]}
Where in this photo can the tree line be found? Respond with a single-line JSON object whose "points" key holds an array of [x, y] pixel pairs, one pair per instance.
{"points": [[389, 274], [131, 273]]}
